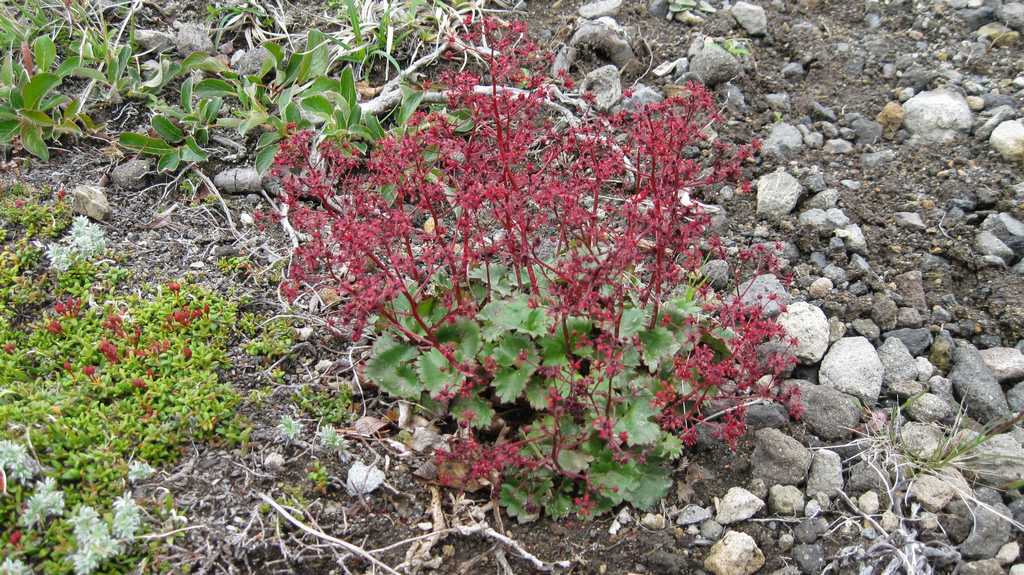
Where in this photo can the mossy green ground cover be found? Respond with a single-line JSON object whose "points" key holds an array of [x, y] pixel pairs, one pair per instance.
{"points": [[93, 379]]}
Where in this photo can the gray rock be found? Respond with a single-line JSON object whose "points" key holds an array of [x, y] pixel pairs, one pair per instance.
{"points": [[692, 514], [785, 500], [1008, 140], [761, 415], [864, 477], [131, 175], [998, 115], [658, 8], [809, 326], [937, 116], [998, 460], [238, 181], [1005, 363], [1012, 14], [783, 141], [976, 386], [921, 440], [829, 413], [1004, 226], [154, 40], [751, 18], [777, 194], [989, 245], [642, 95], [991, 529], [826, 475], [1015, 397], [853, 238], [712, 63], [810, 558], [193, 38], [735, 554], [917, 340], [90, 201], [982, 567], [779, 459], [274, 461], [837, 146], [876, 159], [910, 286], [717, 273], [824, 200], [605, 85], [852, 366], [934, 492], [898, 363], [603, 35], [765, 290], [911, 220], [711, 530], [929, 408], [868, 131], [793, 71], [737, 505], [249, 62], [868, 503], [600, 8]]}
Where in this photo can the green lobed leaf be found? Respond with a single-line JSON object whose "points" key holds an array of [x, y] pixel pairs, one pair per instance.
{"points": [[510, 382], [390, 367], [465, 334], [635, 418], [435, 373], [513, 314], [473, 409], [657, 344], [633, 322]]}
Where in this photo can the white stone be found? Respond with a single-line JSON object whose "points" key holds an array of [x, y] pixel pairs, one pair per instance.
{"points": [[808, 325], [852, 366], [777, 194], [735, 554], [1006, 363], [937, 116], [1008, 140], [751, 17], [737, 505], [600, 8]]}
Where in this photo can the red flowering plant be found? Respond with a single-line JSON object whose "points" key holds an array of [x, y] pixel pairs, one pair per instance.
{"points": [[537, 276]]}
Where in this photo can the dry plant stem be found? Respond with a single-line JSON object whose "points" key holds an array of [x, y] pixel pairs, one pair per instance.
{"points": [[213, 189], [391, 93], [490, 532], [321, 535]]}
